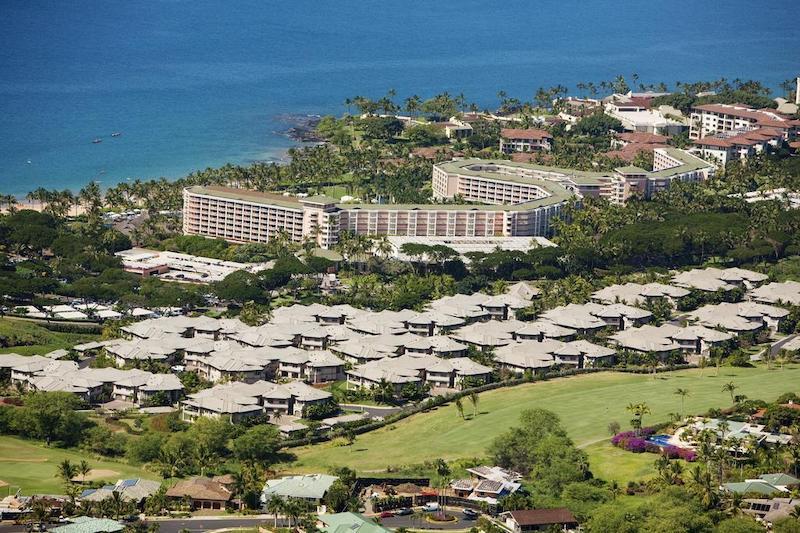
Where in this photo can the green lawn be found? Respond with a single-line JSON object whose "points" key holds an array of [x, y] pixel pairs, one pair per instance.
{"points": [[611, 463], [586, 404], [27, 338], [33, 467]]}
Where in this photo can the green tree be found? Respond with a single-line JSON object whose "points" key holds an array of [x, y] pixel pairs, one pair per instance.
{"points": [[52, 417], [730, 387], [257, 445], [682, 394], [540, 449], [67, 471]]}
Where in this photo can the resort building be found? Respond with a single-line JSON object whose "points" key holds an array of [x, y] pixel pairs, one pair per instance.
{"points": [[713, 119], [509, 182], [514, 140], [635, 117], [173, 266], [509, 200]]}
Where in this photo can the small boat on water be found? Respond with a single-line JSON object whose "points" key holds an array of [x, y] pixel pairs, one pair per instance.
{"points": [[97, 141], [116, 134]]}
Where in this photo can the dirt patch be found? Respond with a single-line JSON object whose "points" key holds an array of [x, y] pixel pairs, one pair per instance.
{"points": [[28, 460], [97, 474]]}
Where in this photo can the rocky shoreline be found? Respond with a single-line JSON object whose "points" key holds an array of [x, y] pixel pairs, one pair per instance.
{"points": [[301, 128]]}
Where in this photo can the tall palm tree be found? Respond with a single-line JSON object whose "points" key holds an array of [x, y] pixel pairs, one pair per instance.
{"points": [[474, 398], [67, 471], [240, 487], [442, 471], [730, 387], [638, 410], [275, 505], [682, 393], [703, 485], [460, 408], [117, 504], [84, 469]]}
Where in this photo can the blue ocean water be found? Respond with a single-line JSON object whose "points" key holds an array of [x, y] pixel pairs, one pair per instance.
{"points": [[198, 83]]}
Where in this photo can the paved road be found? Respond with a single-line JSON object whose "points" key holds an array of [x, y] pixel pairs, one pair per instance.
{"points": [[776, 348], [211, 523], [413, 522], [178, 524], [373, 411]]}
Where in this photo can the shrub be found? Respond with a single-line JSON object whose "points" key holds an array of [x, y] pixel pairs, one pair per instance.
{"points": [[636, 445]]}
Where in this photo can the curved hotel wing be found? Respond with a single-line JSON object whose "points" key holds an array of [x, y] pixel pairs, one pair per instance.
{"points": [[510, 199]]}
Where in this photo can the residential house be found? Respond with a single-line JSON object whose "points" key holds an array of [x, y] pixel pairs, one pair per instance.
{"points": [[639, 294], [145, 388], [737, 318], [432, 323], [130, 490], [88, 524], [540, 520], [309, 488], [785, 293], [456, 372], [438, 345], [716, 279], [201, 492], [487, 484], [770, 510], [348, 522]]}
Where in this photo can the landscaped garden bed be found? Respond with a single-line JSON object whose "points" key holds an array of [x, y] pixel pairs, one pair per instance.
{"points": [[643, 442]]}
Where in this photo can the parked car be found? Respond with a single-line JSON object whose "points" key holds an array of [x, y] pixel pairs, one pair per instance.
{"points": [[387, 514], [430, 507], [403, 511], [470, 514]]}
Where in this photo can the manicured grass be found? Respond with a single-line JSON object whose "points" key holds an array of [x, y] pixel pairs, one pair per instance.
{"points": [[586, 405], [338, 388], [33, 467], [27, 338], [614, 464]]}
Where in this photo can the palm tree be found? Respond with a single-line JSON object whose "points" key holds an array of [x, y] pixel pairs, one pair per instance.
{"points": [[730, 387], [474, 398], [384, 247], [638, 410], [683, 393], [66, 471], [350, 437], [117, 504], [703, 485], [275, 505], [460, 408], [84, 469], [240, 487], [442, 471], [702, 363]]}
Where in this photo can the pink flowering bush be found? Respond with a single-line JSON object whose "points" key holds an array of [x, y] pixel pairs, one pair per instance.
{"points": [[628, 440]]}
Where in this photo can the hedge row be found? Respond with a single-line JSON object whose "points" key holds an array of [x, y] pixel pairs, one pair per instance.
{"points": [[365, 426]]}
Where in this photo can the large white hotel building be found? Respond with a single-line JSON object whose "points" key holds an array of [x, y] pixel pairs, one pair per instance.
{"points": [[510, 199]]}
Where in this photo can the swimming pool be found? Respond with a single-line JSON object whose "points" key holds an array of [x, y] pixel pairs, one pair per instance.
{"points": [[661, 440]]}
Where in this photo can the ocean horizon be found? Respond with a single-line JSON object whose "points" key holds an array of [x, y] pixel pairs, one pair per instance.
{"points": [[190, 85]]}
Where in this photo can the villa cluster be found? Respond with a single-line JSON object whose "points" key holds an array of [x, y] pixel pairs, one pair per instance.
{"points": [[277, 369], [494, 198]]}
